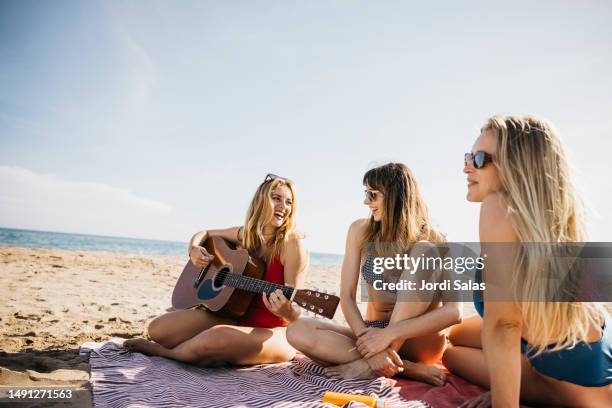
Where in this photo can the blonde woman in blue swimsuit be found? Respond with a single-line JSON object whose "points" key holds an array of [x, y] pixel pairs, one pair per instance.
{"points": [[539, 352]]}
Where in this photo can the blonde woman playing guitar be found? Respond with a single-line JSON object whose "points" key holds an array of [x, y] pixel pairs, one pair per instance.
{"points": [[201, 337]]}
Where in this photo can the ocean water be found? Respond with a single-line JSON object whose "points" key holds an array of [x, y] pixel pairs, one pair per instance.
{"points": [[82, 242]]}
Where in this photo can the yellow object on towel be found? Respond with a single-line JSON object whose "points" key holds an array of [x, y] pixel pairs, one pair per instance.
{"points": [[339, 399]]}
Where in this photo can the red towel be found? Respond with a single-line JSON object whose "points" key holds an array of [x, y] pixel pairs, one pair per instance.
{"points": [[452, 394]]}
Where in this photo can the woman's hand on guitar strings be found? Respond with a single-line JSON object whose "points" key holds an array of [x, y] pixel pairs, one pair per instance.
{"points": [[200, 257], [278, 304]]}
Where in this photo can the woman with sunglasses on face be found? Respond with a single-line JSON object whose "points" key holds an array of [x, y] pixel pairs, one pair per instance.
{"points": [[398, 334], [541, 352], [200, 337]]}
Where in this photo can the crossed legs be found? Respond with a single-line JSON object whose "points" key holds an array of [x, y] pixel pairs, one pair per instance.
{"points": [[331, 344], [201, 338]]}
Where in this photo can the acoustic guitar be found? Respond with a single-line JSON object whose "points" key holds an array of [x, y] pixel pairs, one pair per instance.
{"points": [[228, 285]]}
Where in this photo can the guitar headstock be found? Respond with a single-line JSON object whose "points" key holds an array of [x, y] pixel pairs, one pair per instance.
{"points": [[316, 302]]}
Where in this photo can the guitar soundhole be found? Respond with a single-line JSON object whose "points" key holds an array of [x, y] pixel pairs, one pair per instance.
{"points": [[220, 277]]}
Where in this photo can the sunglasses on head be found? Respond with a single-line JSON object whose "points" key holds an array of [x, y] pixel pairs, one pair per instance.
{"points": [[478, 159], [271, 177], [371, 194]]}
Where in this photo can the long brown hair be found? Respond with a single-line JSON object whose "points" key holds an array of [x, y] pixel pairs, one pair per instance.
{"points": [[406, 219], [260, 213]]}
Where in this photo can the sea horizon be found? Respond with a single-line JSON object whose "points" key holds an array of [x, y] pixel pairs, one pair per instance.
{"points": [[30, 238]]}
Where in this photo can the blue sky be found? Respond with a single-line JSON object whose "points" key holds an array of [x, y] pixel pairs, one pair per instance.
{"points": [[157, 119]]}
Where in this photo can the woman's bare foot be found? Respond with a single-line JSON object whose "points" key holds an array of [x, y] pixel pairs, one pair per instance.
{"points": [[143, 346], [353, 370], [423, 372]]}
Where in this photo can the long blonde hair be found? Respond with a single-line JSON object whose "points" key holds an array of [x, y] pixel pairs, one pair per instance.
{"points": [[543, 208], [260, 213], [406, 219]]}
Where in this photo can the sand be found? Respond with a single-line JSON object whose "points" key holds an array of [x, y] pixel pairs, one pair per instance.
{"points": [[52, 301]]}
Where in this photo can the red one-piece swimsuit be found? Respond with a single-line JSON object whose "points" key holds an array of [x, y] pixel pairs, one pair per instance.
{"points": [[258, 314]]}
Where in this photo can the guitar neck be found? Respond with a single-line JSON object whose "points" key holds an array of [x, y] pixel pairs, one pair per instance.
{"points": [[249, 284]]}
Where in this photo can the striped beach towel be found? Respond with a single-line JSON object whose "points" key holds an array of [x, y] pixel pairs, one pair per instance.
{"points": [[127, 379]]}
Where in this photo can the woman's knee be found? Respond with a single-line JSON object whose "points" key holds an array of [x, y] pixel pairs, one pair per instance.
{"points": [[425, 349], [466, 333], [300, 333], [156, 331], [458, 358], [454, 334], [211, 345]]}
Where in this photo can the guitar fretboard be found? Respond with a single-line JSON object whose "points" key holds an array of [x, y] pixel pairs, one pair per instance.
{"points": [[249, 284]]}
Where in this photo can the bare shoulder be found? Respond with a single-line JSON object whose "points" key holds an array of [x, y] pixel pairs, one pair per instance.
{"points": [[495, 221], [295, 259], [358, 227], [295, 236], [294, 245], [295, 239]]}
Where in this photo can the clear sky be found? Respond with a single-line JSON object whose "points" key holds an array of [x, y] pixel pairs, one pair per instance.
{"points": [[158, 119]]}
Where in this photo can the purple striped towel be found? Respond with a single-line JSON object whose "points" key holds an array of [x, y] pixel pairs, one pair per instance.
{"points": [[127, 379]]}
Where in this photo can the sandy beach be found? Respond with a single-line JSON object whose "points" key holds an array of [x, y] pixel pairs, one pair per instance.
{"points": [[52, 301]]}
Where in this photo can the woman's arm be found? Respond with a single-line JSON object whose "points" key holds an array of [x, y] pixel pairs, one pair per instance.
{"points": [[198, 254], [349, 277], [410, 317], [295, 260], [230, 234], [502, 324], [427, 323]]}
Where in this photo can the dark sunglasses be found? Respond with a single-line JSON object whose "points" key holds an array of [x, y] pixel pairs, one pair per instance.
{"points": [[478, 159], [371, 194], [270, 177]]}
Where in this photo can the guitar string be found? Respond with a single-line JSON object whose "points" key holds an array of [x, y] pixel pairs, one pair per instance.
{"points": [[255, 285], [252, 284]]}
